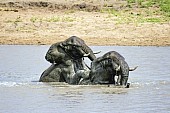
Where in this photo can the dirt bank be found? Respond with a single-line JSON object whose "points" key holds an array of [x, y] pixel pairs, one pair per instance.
{"points": [[53, 21]]}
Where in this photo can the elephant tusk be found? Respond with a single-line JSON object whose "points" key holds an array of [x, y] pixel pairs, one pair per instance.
{"points": [[97, 52], [132, 69], [86, 55]]}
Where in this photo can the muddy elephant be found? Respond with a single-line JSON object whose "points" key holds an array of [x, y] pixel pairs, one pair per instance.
{"points": [[104, 69], [77, 48], [67, 61], [68, 65]]}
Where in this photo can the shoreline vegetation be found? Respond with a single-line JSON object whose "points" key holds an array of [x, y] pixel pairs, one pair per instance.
{"points": [[97, 22]]}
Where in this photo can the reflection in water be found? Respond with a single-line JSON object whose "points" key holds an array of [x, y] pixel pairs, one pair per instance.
{"points": [[20, 92]]}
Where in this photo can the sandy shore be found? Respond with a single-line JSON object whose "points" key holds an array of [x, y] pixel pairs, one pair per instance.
{"points": [[39, 26]]}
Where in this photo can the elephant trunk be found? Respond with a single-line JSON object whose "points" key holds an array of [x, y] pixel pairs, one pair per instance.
{"points": [[49, 58], [88, 52], [77, 47]]}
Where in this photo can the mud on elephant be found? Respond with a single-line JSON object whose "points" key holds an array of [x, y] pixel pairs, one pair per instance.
{"points": [[68, 65], [77, 48], [104, 69], [67, 61]]}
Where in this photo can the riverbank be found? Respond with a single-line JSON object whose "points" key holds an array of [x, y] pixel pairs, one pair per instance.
{"points": [[41, 23]]}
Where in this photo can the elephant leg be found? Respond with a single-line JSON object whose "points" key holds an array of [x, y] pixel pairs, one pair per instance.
{"points": [[80, 77], [83, 76], [67, 71], [124, 73], [118, 80], [72, 78], [124, 80]]}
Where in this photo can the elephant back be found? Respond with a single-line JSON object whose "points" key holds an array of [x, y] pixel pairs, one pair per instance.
{"points": [[115, 56]]}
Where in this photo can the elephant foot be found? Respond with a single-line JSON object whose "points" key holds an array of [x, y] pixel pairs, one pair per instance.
{"points": [[128, 85]]}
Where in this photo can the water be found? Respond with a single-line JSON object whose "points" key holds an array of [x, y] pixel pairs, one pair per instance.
{"points": [[21, 67]]}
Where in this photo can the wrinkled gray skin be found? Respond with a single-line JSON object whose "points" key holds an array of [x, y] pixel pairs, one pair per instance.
{"points": [[77, 48], [67, 61], [68, 65], [103, 71], [105, 68]]}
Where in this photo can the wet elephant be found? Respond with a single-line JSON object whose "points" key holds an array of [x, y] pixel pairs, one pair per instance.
{"points": [[67, 61], [68, 65], [67, 72], [62, 68], [103, 71], [105, 68]]}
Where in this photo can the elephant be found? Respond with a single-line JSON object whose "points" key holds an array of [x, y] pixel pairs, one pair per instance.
{"points": [[67, 58], [73, 47], [61, 63], [67, 61], [65, 72], [105, 68]]}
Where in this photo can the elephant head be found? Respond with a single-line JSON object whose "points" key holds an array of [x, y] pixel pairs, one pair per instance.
{"points": [[77, 48], [123, 69], [103, 71], [114, 64], [55, 54]]}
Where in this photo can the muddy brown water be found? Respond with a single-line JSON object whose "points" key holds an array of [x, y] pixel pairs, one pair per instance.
{"points": [[21, 67]]}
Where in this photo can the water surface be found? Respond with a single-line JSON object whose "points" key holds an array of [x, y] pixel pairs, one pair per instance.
{"points": [[21, 67]]}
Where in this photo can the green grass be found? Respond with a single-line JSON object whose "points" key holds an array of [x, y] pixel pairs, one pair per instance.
{"points": [[164, 5], [34, 19], [152, 20], [133, 17], [110, 11], [69, 11], [52, 19], [142, 11], [16, 20]]}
